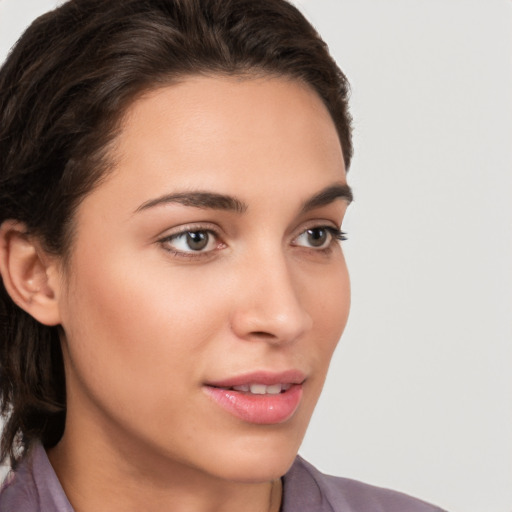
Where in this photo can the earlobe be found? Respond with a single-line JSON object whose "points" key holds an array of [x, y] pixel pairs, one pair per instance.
{"points": [[28, 273]]}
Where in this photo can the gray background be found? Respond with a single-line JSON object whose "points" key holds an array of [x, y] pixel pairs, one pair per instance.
{"points": [[419, 396]]}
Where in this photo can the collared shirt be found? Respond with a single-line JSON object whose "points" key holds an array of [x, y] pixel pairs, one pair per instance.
{"points": [[34, 487]]}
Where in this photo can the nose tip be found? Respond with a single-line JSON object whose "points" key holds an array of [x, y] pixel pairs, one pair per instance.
{"points": [[271, 309]]}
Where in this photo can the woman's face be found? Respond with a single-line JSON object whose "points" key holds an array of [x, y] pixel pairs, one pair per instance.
{"points": [[206, 261]]}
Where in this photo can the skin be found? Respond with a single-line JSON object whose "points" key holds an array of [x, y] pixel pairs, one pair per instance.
{"points": [[146, 321]]}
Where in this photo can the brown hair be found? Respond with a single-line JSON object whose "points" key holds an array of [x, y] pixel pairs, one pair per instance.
{"points": [[63, 90]]}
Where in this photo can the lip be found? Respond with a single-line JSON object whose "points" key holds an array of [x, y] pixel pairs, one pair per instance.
{"points": [[264, 409], [261, 377]]}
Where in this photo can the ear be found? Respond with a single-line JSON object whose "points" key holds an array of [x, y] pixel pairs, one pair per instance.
{"points": [[29, 273]]}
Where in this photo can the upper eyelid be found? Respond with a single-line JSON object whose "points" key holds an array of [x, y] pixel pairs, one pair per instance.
{"points": [[315, 223], [185, 228], [333, 230], [179, 253]]}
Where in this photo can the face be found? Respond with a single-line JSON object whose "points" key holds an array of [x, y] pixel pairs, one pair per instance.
{"points": [[207, 289]]}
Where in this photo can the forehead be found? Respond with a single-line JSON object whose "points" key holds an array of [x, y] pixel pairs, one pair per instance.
{"points": [[208, 123]]}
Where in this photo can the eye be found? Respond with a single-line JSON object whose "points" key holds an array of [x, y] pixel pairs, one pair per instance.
{"points": [[191, 241], [319, 237]]}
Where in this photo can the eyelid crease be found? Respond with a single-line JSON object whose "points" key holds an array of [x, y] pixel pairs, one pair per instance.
{"points": [[192, 226]]}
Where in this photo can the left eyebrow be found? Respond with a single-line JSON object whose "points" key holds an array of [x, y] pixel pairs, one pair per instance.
{"points": [[205, 200], [327, 196]]}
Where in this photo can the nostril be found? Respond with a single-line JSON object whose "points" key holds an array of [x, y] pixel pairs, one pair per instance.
{"points": [[263, 334]]}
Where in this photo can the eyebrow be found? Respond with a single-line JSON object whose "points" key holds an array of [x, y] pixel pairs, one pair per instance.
{"points": [[329, 195], [215, 201], [204, 200]]}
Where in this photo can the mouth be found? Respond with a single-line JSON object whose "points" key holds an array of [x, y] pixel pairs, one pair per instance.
{"points": [[259, 389], [260, 398]]}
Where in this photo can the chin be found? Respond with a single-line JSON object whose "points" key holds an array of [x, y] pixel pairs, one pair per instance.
{"points": [[260, 458]]}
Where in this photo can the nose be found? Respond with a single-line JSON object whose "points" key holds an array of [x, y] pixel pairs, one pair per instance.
{"points": [[268, 303]]}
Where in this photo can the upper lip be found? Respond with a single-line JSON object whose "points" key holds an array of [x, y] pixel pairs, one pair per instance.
{"points": [[268, 378]]}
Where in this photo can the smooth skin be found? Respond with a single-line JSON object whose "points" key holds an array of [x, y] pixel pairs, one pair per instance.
{"points": [[150, 314]]}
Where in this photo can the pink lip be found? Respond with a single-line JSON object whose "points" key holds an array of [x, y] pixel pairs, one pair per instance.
{"points": [[264, 409], [261, 377]]}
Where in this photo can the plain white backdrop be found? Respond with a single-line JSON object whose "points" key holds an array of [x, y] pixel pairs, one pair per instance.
{"points": [[419, 396]]}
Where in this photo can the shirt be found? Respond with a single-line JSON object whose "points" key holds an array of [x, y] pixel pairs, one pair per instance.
{"points": [[34, 487]]}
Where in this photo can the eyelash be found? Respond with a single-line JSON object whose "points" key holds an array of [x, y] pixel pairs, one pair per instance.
{"points": [[165, 242], [335, 233]]}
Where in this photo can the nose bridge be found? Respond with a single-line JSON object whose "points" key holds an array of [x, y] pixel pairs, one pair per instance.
{"points": [[270, 304]]}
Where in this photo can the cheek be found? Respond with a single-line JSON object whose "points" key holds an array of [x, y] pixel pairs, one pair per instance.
{"points": [[332, 310], [328, 295], [328, 299], [135, 331]]}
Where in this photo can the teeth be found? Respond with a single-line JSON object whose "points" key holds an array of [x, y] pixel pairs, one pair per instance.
{"points": [[274, 390], [244, 388], [262, 389], [258, 389]]}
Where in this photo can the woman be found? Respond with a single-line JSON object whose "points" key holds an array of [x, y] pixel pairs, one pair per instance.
{"points": [[173, 184]]}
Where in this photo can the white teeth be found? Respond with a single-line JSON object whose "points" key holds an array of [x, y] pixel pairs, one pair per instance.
{"points": [[274, 389], [262, 389], [258, 389]]}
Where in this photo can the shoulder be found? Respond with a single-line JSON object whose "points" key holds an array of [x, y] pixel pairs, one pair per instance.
{"points": [[305, 489], [19, 492], [33, 487]]}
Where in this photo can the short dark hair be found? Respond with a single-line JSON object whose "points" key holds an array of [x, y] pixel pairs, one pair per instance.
{"points": [[63, 91]]}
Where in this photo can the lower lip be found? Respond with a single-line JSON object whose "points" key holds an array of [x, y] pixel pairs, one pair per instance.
{"points": [[259, 409]]}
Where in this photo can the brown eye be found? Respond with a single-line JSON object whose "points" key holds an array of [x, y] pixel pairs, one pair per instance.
{"points": [[197, 240], [317, 237], [200, 240]]}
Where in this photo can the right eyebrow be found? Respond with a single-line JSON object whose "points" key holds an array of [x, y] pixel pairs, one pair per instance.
{"points": [[328, 195], [197, 199]]}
